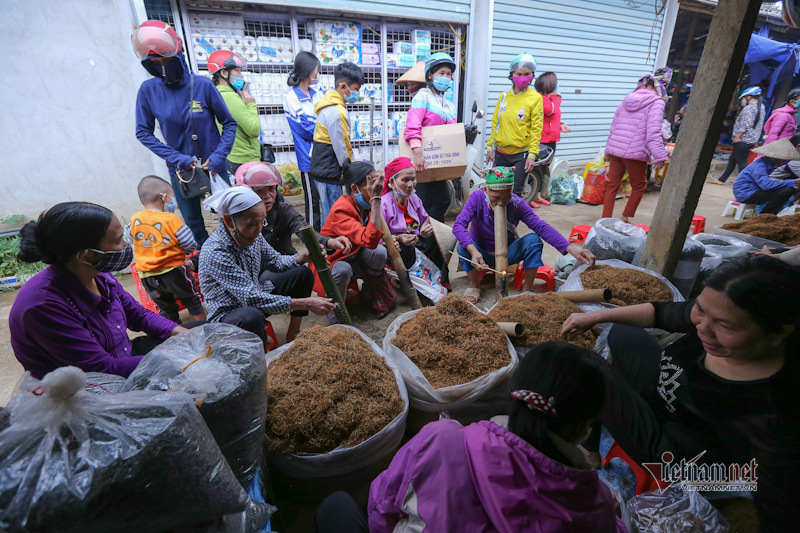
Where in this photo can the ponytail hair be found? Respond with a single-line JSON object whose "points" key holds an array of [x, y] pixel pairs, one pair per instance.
{"points": [[304, 65], [572, 377], [62, 231]]}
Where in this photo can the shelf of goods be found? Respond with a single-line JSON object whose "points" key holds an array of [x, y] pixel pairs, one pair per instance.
{"points": [[268, 37]]}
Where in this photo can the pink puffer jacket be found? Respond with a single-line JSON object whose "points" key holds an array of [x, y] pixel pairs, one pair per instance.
{"points": [[781, 124], [636, 128]]}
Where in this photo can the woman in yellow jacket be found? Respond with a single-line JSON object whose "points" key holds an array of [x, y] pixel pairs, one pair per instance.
{"points": [[517, 124]]}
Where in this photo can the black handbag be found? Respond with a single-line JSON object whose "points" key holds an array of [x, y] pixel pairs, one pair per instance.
{"points": [[194, 182], [267, 153]]}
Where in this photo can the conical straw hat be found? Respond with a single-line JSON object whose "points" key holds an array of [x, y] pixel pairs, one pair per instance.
{"points": [[415, 73], [781, 149], [444, 238]]}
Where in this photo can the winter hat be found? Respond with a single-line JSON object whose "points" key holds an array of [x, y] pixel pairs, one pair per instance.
{"points": [[499, 178]]}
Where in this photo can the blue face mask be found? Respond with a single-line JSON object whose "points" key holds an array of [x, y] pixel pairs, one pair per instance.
{"points": [[353, 97], [362, 202], [237, 83], [442, 84], [169, 207]]}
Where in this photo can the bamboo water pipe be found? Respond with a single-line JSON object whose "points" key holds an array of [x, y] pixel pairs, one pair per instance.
{"points": [[512, 329], [399, 266], [591, 295], [324, 272], [501, 251]]}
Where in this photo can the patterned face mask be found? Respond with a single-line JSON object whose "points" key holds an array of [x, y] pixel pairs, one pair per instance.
{"points": [[113, 261]]}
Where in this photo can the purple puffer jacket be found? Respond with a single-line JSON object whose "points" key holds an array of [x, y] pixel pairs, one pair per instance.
{"points": [[636, 128], [483, 478], [781, 124]]}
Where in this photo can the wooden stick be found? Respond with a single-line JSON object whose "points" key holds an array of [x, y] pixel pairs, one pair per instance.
{"points": [[501, 250], [485, 267], [399, 266], [324, 272], [592, 295], [512, 329]]}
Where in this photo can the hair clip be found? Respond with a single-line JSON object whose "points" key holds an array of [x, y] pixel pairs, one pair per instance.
{"points": [[536, 401]]}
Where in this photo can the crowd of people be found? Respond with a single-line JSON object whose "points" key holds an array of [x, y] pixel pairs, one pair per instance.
{"points": [[725, 388]]}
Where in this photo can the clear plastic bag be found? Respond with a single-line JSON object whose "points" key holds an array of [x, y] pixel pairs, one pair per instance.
{"points": [[675, 511], [458, 397], [565, 190], [723, 246], [344, 461], [100, 383], [223, 368], [611, 238], [72, 461], [574, 283]]}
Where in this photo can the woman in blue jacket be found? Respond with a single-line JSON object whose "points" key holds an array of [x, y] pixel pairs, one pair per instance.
{"points": [[298, 106], [165, 98]]}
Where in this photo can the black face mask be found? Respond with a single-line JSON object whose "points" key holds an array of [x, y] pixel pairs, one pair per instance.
{"points": [[171, 72]]}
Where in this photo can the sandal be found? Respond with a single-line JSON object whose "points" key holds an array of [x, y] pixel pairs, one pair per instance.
{"points": [[534, 205], [715, 181], [543, 202], [475, 294]]}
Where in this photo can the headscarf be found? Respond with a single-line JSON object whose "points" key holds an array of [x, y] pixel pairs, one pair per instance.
{"points": [[232, 201], [499, 178], [394, 167], [660, 79]]}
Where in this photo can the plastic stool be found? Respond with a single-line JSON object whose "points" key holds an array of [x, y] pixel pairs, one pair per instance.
{"points": [[578, 233], [645, 227], [544, 272], [739, 209], [271, 337], [645, 482], [698, 224]]}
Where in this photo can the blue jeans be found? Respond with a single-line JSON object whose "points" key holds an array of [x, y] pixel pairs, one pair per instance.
{"points": [[192, 210], [328, 194], [528, 250]]}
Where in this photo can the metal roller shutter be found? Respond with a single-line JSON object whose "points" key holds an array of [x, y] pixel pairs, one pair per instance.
{"points": [[598, 49]]}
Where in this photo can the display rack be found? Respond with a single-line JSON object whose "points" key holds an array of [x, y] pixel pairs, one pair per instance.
{"points": [[280, 32]]}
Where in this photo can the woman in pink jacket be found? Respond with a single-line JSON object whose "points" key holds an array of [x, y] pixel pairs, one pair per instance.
{"points": [[635, 139], [782, 122], [518, 473]]}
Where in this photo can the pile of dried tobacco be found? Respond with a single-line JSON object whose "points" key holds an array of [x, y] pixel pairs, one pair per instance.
{"points": [[630, 287], [453, 343], [785, 230], [542, 316], [328, 390]]}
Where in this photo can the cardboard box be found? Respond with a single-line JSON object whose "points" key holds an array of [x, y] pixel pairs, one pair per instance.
{"points": [[444, 149]]}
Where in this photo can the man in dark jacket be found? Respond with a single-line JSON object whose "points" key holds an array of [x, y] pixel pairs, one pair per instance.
{"points": [[190, 129]]}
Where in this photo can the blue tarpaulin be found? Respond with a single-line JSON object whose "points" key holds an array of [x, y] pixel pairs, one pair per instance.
{"points": [[767, 57]]}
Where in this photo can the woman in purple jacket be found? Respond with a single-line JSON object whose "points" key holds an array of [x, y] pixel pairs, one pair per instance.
{"points": [[406, 217], [522, 472], [782, 122], [635, 139], [75, 312]]}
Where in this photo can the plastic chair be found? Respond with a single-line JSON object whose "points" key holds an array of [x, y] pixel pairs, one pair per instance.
{"points": [[698, 224], [645, 227], [271, 337], [578, 233], [739, 209], [545, 272], [645, 482]]}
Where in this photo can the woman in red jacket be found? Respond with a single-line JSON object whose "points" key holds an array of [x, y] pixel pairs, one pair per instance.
{"points": [[547, 86]]}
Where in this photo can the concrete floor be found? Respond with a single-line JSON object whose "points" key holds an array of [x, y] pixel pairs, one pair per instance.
{"points": [[711, 204]]}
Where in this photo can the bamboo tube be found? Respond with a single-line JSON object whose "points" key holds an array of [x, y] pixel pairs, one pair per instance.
{"points": [[501, 250], [512, 329], [324, 272], [399, 266], [592, 295]]}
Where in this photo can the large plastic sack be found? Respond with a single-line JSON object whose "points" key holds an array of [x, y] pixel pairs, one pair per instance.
{"points": [[343, 461], [689, 264], [223, 368], [458, 398], [574, 283], [756, 242], [723, 246], [675, 511], [100, 383], [565, 189], [72, 461], [611, 238], [425, 277]]}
